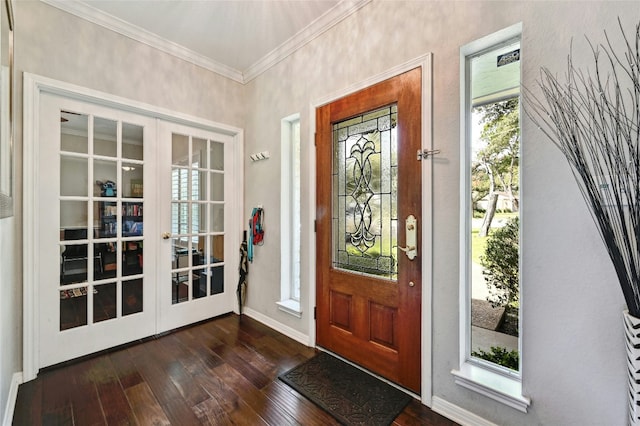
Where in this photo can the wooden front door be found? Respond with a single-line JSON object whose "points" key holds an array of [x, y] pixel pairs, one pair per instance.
{"points": [[368, 190]]}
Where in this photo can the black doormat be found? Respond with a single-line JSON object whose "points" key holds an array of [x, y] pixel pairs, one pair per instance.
{"points": [[349, 394]]}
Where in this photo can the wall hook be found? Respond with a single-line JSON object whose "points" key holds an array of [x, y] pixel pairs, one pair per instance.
{"points": [[260, 156]]}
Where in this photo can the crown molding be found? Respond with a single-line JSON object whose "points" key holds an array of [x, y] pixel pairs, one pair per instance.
{"points": [[322, 24], [91, 14], [330, 18]]}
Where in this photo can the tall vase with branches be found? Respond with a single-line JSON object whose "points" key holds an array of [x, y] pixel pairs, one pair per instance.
{"points": [[593, 117]]}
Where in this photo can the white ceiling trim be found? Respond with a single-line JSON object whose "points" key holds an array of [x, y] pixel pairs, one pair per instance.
{"points": [[330, 18], [106, 20]]}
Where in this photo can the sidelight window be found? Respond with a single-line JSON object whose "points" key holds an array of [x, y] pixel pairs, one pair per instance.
{"points": [[490, 218], [290, 216]]}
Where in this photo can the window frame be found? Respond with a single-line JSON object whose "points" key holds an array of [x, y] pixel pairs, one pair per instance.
{"points": [[290, 216], [486, 378]]}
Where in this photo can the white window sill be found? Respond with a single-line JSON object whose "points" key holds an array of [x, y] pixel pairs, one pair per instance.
{"points": [[291, 307], [506, 390]]}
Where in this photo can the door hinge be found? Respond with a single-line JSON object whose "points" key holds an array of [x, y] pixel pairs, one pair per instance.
{"points": [[315, 225], [426, 153], [315, 312]]}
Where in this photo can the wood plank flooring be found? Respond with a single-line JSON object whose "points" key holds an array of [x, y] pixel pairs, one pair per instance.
{"points": [[224, 371]]}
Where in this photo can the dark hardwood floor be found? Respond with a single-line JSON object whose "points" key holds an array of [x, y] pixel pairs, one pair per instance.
{"points": [[224, 371]]}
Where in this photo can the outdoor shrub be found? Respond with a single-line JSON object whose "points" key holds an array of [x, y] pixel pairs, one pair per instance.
{"points": [[500, 263], [500, 356]]}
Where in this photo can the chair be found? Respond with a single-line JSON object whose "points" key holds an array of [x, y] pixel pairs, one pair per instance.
{"points": [[77, 253]]}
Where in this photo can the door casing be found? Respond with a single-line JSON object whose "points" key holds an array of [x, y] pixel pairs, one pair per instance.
{"points": [[425, 62]]}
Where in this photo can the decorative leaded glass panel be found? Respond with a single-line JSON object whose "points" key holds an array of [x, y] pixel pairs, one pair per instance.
{"points": [[365, 193]]}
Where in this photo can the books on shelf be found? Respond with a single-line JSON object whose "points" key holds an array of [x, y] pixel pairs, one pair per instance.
{"points": [[75, 292], [131, 209], [136, 188], [110, 210]]}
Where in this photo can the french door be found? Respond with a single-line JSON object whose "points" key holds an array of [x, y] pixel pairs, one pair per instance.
{"points": [[195, 216], [368, 267], [133, 227], [97, 283]]}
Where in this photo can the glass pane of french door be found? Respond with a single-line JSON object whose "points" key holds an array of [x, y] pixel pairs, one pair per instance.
{"points": [[101, 219], [197, 218]]}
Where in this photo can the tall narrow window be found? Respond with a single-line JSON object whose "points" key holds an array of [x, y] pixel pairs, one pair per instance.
{"points": [[490, 215], [295, 209], [493, 195], [290, 216]]}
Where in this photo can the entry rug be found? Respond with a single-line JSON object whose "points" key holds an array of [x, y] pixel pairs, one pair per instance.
{"points": [[349, 394]]}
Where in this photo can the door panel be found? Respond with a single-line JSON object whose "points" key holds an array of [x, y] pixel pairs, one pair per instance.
{"points": [[93, 290], [196, 281], [368, 183]]}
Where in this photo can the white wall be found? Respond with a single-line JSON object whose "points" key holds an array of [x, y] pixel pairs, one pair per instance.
{"points": [[10, 309], [573, 351], [57, 45]]}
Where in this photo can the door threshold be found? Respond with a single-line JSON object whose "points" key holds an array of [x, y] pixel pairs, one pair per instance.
{"points": [[126, 345]]}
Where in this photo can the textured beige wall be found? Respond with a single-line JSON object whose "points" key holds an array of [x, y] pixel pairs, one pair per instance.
{"points": [[57, 45], [572, 337], [573, 352]]}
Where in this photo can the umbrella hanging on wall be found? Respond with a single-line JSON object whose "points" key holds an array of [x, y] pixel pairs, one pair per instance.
{"points": [[256, 230], [241, 291]]}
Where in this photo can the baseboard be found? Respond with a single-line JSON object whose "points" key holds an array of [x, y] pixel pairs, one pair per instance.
{"points": [[278, 326], [457, 414], [16, 380]]}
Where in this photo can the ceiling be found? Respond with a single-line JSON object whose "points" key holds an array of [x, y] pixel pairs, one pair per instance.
{"points": [[236, 38]]}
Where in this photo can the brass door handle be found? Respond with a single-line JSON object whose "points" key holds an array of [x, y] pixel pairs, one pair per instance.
{"points": [[411, 229], [166, 235]]}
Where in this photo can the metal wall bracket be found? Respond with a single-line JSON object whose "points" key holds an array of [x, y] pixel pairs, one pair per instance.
{"points": [[426, 153]]}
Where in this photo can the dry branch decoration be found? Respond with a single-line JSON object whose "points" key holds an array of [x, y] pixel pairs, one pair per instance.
{"points": [[593, 117]]}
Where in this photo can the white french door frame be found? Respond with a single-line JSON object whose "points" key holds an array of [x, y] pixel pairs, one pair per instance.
{"points": [[425, 62], [34, 87]]}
